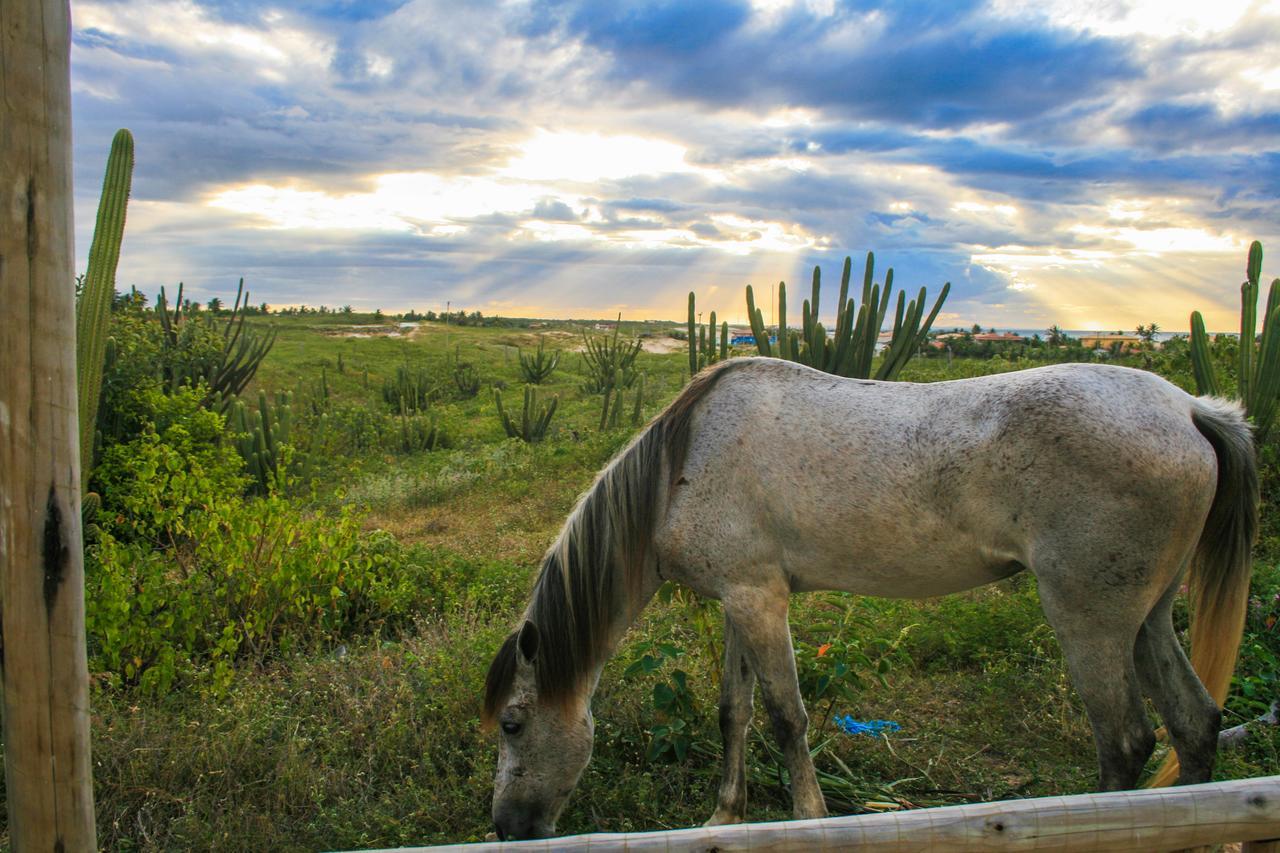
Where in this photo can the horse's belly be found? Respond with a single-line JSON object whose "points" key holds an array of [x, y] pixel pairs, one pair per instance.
{"points": [[903, 581], [908, 569]]}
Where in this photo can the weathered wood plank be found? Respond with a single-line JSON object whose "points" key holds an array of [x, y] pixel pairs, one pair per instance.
{"points": [[1145, 820], [1269, 845], [42, 660]]}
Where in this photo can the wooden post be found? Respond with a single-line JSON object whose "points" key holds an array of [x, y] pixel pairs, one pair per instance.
{"points": [[48, 774]]}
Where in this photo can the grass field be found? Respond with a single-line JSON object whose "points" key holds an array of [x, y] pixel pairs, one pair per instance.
{"points": [[376, 741]]}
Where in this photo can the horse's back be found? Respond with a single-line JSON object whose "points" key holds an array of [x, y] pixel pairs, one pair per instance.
{"points": [[904, 489]]}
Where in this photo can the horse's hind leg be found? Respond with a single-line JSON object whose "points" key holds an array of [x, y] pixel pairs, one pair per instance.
{"points": [[736, 692], [760, 616], [1189, 712], [1099, 648]]}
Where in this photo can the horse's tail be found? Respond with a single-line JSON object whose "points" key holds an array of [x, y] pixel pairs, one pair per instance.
{"points": [[1219, 582]]}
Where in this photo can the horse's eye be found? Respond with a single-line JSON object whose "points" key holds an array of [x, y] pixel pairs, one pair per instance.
{"points": [[511, 728]]}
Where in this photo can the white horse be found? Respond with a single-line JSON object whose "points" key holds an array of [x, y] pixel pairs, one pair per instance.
{"points": [[765, 478]]}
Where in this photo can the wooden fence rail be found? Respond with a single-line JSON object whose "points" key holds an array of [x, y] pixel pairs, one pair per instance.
{"points": [[1147, 820]]}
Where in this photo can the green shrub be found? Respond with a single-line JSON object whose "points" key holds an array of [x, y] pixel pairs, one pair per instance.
{"points": [[179, 463], [248, 579], [1258, 671]]}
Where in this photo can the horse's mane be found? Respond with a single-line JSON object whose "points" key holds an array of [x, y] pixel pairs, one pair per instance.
{"points": [[599, 554]]}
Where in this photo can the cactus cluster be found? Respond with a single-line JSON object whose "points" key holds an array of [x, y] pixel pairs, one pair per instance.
{"points": [[611, 410], [411, 389], [319, 400], [238, 361], [260, 435], [467, 379], [534, 418], [851, 350], [1258, 370], [418, 432], [609, 360], [702, 340], [93, 313], [538, 368]]}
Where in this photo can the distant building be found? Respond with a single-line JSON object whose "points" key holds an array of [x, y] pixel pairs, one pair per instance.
{"points": [[999, 338], [1102, 340]]}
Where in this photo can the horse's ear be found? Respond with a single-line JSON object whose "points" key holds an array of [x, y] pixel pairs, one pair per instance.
{"points": [[527, 643]]}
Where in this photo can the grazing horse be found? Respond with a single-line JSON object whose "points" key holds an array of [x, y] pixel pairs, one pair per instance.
{"points": [[765, 478]]}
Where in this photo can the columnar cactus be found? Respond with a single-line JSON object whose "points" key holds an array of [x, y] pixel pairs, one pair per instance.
{"points": [[851, 350], [93, 314], [1258, 371]]}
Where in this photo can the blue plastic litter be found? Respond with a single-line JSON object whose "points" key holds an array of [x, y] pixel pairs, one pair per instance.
{"points": [[870, 728]]}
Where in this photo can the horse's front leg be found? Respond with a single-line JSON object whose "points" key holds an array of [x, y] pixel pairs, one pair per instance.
{"points": [[736, 693], [760, 616]]}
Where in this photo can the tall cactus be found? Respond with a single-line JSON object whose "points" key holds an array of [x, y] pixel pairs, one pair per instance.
{"points": [[702, 340], [850, 351], [1258, 370], [93, 314]]}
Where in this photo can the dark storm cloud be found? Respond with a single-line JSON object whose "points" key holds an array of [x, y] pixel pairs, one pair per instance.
{"points": [[1198, 125], [928, 64]]}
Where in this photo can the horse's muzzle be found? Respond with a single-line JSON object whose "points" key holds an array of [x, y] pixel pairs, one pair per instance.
{"points": [[512, 826]]}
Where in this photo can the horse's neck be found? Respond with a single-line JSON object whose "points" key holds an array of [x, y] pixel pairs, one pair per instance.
{"points": [[625, 611]]}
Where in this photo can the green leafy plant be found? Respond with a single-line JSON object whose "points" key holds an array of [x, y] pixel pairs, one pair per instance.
{"points": [[180, 461], [538, 368], [249, 579], [534, 417], [851, 350], [848, 658], [1258, 368], [673, 702]]}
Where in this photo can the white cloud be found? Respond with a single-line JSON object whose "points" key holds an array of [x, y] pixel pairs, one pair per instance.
{"points": [[587, 157]]}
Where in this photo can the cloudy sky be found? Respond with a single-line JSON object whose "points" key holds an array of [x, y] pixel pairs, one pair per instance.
{"points": [[1091, 164]]}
